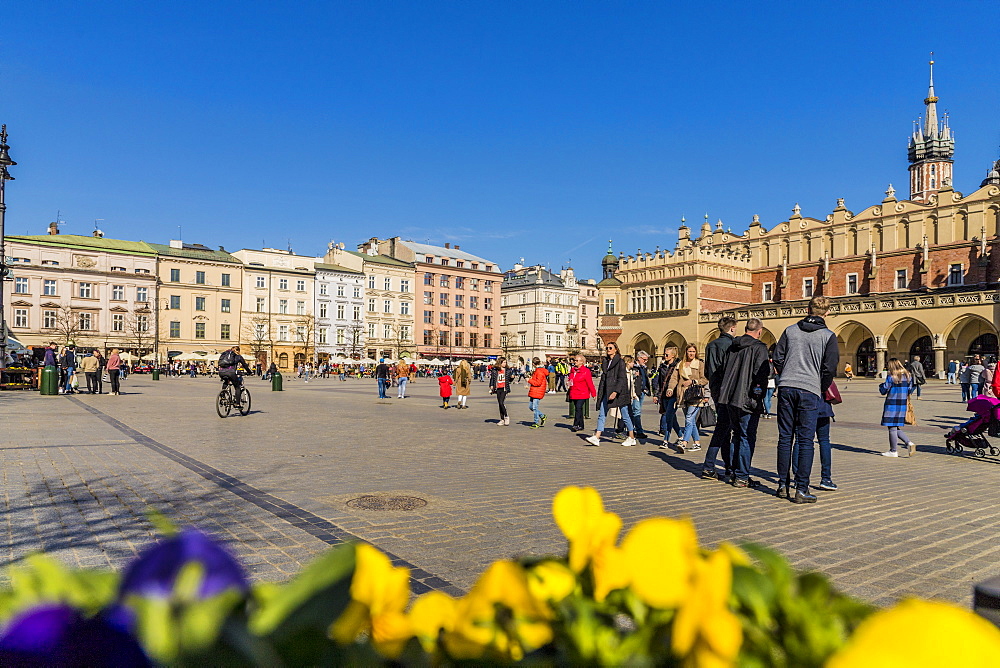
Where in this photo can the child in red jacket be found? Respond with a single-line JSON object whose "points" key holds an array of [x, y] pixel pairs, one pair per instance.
{"points": [[445, 382], [537, 386]]}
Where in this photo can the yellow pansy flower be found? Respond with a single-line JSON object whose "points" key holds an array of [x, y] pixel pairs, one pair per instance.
{"points": [[660, 556], [522, 626], [551, 581], [379, 593], [918, 633], [706, 633], [580, 514], [432, 613]]}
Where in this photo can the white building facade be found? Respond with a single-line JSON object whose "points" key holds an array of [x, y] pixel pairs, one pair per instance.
{"points": [[340, 301], [539, 314]]}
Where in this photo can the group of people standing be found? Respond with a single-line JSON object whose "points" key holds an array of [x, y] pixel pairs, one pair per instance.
{"points": [[71, 361]]}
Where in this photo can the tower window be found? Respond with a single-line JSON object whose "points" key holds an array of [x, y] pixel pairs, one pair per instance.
{"points": [[901, 279]]}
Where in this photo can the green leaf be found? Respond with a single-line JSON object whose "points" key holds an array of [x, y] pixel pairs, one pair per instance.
{"points": [[163, 524]]}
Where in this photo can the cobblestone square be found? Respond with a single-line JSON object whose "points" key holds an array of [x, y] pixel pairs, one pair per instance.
{"points": [[79, 474]]}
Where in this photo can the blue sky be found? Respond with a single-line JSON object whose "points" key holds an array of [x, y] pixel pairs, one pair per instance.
{"points": [[516, 129]]}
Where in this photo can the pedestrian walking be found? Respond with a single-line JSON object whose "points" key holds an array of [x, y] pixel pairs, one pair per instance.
{"points": [[689, 386], [445, 384], [975, 376], [537, 385], [101, 370], [640, 382], [551, 378], [897, 387], [562, 371], [613, 392], [463, 382], [90, 367], [581, 390], [806, 358], [501, 378], [772, 386], [952, 372], [114, 371], [963, 380], [722, 436], [67, 366], [664, 397], [382, 377], [916, 370], [403, 377]]}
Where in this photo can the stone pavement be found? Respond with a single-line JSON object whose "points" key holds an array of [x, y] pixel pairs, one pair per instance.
{"points": [[79, 474]]}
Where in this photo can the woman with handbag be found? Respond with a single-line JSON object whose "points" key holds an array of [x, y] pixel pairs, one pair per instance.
{"points": [[898, 411], [688, 385], [501, 378], [613, 392]]}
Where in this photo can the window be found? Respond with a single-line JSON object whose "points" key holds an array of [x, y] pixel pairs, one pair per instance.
{"points": [[459, 301], [300, 286], [49, 288], [282, 283], [341, 337], [487, 321], [459, 283], [558, 340], [488, 303], [300, 333], [557, 314], [386, 331], [444, 262], [175, 275], [199, 303], [473, 320], [300, 308], [357, 313], [49, 319], [371, 282], [767, 292], [487, 286], [321, 335], [20, 317], [371, 305], [429, 259], [609, 305], [900, 279], [428, 340], [955, 275], [260, 304], [138, 271], [322, 290], [548, 317], [21, 285], [428, 297], [852, 284], [473, 302], [323, 310], [260, 331], [524, 298], [404, 308], [142, 322], [444, 319], [387, 306], [676, 297], [459, 263], [459, 338], [357, 293], [442, 338], [487, 340], [142, 294], [226, 282], [524, 340], [283, 332], [443, 282], [199, 277], [459, 320], [371, 330], [404, 286], [473, 339], [428, 317], [199, 330], [474, 284], [175, 329], [227, 305], [404, 332], [340, 311], [51, 263], [443, 299], [117, 322], [224, 331], [175, 302], [807, 288], [523, 316], [86, 290], [388, 283], [260, 281], [283, 306]]}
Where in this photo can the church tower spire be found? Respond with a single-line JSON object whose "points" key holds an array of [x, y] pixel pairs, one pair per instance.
{"points": [[931, 149]]}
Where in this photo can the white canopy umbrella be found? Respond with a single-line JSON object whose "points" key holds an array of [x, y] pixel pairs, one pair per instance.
{"points": [[189, 357], [15, 346], [420, 361], [369, 360], [437, 362], [212, 357]]}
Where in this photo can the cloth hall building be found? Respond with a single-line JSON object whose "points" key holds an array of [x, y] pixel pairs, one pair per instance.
{"points": [[914, 276]]}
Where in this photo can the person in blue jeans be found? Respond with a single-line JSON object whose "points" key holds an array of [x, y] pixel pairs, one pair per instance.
{"points": [[689, 375], [744, 379], [805, 358], [823, 420], [382, 376], [666, 401]]}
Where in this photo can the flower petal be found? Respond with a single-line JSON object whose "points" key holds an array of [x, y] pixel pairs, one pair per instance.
{"points": [[661, 555], [155, 571]]}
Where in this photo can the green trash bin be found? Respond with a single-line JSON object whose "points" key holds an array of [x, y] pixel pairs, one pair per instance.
{"points": [[156, 374], [276, 382], [49, 383]]}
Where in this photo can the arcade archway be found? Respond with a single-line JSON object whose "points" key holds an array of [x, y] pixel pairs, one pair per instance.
{"points": [[673, 339], [642, 341], [971, 335], [857, 347], [907, 338]]}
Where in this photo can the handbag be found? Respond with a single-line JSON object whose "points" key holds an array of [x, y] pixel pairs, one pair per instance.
{"points": [[910, 417], [693, 393], [106, 378], [707, 417], [832, 394]]}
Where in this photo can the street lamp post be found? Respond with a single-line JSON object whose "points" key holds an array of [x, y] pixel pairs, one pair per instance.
{"points": [[5, 176]]}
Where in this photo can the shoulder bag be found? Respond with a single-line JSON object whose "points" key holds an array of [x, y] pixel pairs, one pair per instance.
{"points": [[832, 394], [707, 417], [910, 417]]}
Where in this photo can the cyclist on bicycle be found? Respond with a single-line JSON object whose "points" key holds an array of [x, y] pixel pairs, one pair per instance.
{"points": [[229, 364]]}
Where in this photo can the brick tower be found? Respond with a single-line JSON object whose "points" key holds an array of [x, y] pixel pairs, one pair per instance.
{"points": [[931, 149]]}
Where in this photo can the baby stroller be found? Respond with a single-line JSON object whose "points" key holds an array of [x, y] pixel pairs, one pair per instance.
{"points": [[972, 433]]}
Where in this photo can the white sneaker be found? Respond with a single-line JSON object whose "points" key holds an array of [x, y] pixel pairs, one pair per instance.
{"points": [[890, 453], [506, 420], [593, 440], [629, 442], [912, 448]]}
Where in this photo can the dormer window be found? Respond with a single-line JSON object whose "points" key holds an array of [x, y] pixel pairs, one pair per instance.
{"points": [[118, 269], [429, 259]]}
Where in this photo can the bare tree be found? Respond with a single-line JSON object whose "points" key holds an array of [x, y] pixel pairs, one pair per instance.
{"points": [[138, 333], [67, 327], [402, 342], [305, 329], [257, 334], [355, 338]]}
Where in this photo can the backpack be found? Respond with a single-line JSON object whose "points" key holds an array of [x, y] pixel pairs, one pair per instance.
{"points": [[227, 358]]}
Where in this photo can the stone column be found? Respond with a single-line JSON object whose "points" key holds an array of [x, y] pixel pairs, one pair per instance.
{"points": [[880, 362], [939, 362]]}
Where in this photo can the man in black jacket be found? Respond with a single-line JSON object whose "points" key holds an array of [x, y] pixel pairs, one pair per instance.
{"points": [[744, 381], [715, 359]]}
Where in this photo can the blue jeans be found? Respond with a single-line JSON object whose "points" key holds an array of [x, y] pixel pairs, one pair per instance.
{"points": [[668, 421], [637, 413], [691, 423], [602, 416], [797, 415], [767, 400], [973, 392], [402, 386], [917, 386], [966, 389], [382, 384], [825, 449], [744, 427], [951, 378], [722, 440], [533, 407], [69, 379]]}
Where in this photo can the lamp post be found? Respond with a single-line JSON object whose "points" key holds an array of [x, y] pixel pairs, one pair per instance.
{"points": [[5, 176]]}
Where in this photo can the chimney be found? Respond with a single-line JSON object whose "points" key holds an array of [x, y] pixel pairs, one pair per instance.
{"points": [[176, 243], [53, 228], [457, 247], [223, 249], [447, 244]]}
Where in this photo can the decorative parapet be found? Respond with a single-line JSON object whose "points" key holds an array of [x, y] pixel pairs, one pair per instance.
{"points": [[850, 305], [648, 315]]}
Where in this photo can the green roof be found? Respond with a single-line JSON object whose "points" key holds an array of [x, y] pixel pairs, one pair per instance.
{"points": [[195, 253], [88, 243], [336, 267], [382, 259], [609, 281]]}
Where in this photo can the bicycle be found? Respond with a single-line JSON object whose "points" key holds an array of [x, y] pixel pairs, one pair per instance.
{"points": [[228, 400]]}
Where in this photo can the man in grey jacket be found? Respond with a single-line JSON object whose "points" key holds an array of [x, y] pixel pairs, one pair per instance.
{"points": [[806, 357]]}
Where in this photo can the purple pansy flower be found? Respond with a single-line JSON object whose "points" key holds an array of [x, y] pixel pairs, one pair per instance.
{"points": [[58, 635], [155, 571]]}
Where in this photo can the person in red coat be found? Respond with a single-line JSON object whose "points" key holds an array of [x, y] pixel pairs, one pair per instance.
{"points": [[537, 386], [445, 382], [581, 388]]}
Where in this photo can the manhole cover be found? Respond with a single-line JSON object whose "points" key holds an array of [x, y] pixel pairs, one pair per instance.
{"points": [[381, 502]]}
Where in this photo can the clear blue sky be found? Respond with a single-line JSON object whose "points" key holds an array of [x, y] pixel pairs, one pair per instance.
{"points": [[516, 129]]}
